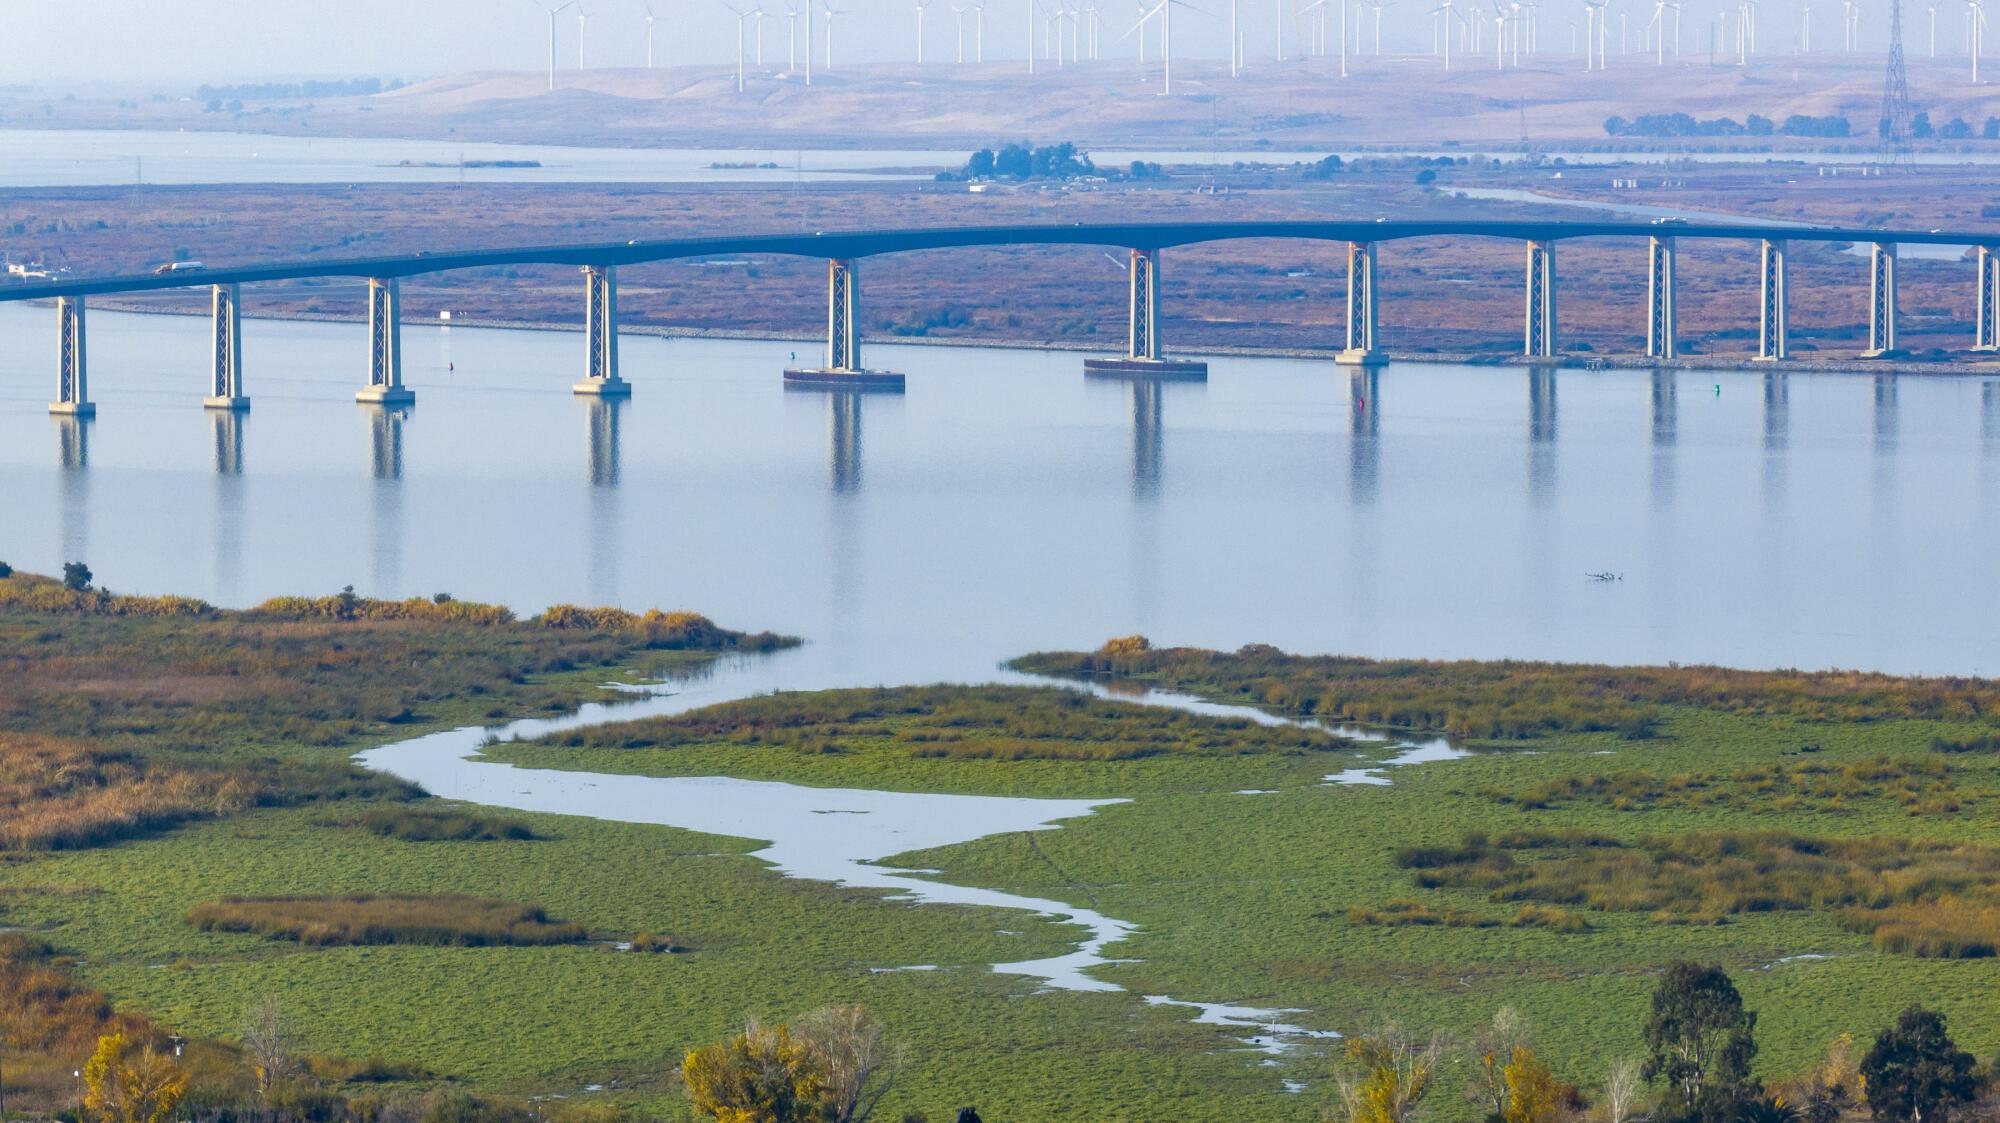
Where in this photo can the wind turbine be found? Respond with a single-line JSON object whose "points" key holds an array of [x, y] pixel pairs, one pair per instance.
{"points": [[760, 15], [831, 12], [1600, 25], [1165, 10], [649, 36], [581, 17], [742, 16], [1658, 26], [979, 30], [1932, 8], [1805, 27], [1443, 12], [1977, 33], [957, 30], [920, 6], [552, 36]]}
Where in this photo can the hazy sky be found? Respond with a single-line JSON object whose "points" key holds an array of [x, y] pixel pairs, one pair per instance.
{"points": [[171, 43]]}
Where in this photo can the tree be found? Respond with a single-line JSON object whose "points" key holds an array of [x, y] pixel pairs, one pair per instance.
{"points": [[1387, 1075], [981, 164], [1614, 125], [346, 603], [1991, 130], [1955, 129], [128, 1083], [762, 1075], [1621, 1091], [268, 1044], [1920, 126], [1492, 1049], [1757, 125], [6, 571], [1699, 1037], [858, 1065], [1832, 1088], [1915, 1072], [1534, 1095], [76, 577]]}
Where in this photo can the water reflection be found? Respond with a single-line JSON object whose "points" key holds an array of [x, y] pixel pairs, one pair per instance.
{"points": [[1885, 414], [1148, 438], [385, 441], [843, 422], [1541, 435], [1989, 414], [604, 439], [73, 451], [1777, 436], [227, 426], [1364, 402], [1666, 431]]}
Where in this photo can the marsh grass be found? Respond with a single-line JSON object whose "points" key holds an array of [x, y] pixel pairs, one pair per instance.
{"points": [[418, 824], [1922, 786], [990, 723], [1932, 899], [1509, 699], [432, 920], [63, 794]]}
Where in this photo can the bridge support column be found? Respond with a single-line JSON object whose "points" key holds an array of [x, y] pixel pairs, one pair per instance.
{"points": [[600, 331], [1773, 326], [1660, 299], [72, 372], [225, 384], [1539, 339], [1144, 356], [843, 337], [1988, 337], [385, 346], [1361, 349], [1881, 300]]}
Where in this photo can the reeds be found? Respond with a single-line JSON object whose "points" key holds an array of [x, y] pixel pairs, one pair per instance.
{"points": [[448, 920]]}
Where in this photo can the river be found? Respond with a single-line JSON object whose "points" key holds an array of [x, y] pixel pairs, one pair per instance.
{"points": [[1007, 503], [104, 157]]}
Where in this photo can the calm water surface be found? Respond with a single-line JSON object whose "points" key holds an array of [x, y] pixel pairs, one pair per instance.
{"points": [[1005, 503]]}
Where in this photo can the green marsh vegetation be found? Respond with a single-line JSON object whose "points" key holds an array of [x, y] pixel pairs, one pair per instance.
{"points": [[437, 920]]}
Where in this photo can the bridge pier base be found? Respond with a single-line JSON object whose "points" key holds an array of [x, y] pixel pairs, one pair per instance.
{"points": [[1143, 352], [1881, 300], [1361, 349], [225, 387], [72, 372], [1539, 336], [1773, 319], [843, 367], [385, 347], [1660, 320], [1988, 336], [600, 330]]}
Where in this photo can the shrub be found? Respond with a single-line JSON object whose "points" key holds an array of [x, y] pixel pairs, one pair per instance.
{"points": [[414, 825], [389, 918], [654, 943]]}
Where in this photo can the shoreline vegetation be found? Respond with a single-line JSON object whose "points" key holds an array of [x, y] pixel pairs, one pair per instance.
{"points": [[195, 860]]}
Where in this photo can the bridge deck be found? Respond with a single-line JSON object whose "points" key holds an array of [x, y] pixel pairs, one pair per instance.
{"points": [[867, 243]]}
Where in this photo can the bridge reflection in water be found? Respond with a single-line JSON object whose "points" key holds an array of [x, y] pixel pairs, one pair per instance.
{"points": [[1666, 433], [1364, 434], [602, 419], [1541, 435], [1777, 437]]}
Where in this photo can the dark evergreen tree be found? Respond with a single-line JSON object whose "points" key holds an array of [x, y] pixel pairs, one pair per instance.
{"points": [[1915, 1073], [1699, 1040]]}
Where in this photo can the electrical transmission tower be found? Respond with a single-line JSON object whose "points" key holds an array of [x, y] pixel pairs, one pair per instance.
{"points": [[1895, 124]]}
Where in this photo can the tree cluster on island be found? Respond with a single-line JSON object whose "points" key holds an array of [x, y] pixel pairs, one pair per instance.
{"points": [[1024, 162]]}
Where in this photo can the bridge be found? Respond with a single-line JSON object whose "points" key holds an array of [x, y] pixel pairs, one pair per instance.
{"points": [[1145, 355]]}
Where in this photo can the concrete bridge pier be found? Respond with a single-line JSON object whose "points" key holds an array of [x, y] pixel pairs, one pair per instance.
{"points": [[600, 329], [1773, 326], [1362, 349], [843, 338], [1539, 339], [1660, 322], [1988, 337], [1144, 353], [72, 372], [385, 347], [225, 389], [1881, 300]]}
